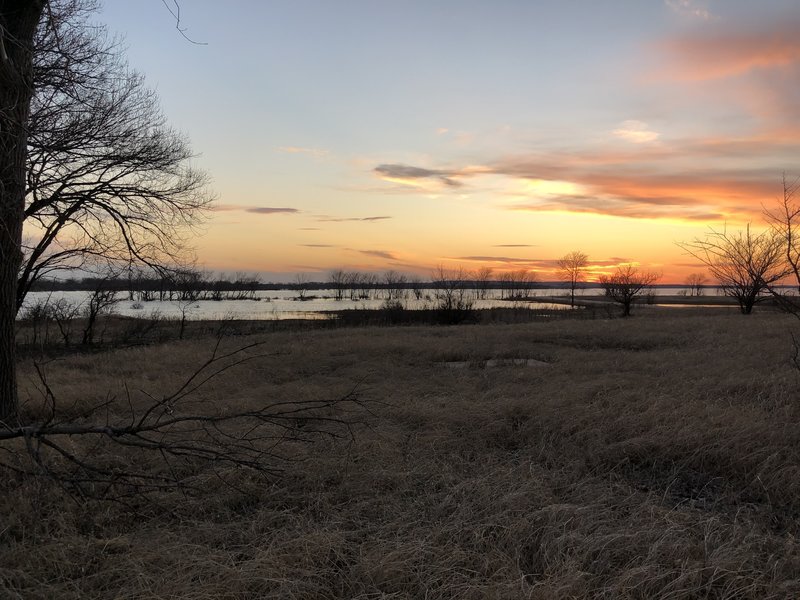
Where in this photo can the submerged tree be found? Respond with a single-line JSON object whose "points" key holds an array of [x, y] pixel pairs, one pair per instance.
{"points": [[626, 284], [453, 302], [695, 283], [745, 263]]}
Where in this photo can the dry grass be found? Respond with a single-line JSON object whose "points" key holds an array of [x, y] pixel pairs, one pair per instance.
{"points": [[656, 457]]}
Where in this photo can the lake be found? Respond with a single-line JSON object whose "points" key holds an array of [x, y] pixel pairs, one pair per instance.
{"points": [[283, 304]]}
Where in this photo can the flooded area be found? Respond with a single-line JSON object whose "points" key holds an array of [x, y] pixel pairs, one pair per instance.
{"points": [[320, 304]]}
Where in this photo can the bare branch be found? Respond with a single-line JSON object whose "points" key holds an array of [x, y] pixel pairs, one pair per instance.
{"points": [[176, 12], [177, 432]]}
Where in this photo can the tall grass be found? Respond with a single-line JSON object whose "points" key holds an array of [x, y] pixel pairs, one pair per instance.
{"points": [[656, 457]]}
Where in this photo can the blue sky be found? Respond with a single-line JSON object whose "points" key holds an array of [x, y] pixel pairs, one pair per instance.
{"points": [[406, 135]]}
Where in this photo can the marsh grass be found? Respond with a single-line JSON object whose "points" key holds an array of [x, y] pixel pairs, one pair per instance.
{"points": [[654, 457]]}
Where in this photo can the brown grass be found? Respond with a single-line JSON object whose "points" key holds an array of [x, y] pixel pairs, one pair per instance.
{"points": [[655, 457]]}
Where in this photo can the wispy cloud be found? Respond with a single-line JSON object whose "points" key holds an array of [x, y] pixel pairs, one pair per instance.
{"points": [[408, 175], [377, 254], [636, 132], [328, 219], [690, 8], [498, 259], [259, 210], [271, 210], [315, 152], [615, 208], [318, 246], [545, 267]]}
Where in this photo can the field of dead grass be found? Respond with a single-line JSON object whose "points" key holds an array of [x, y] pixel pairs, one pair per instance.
{"points": [[653, 457]]}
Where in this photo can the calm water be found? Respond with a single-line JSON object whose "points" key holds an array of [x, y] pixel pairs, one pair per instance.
{"points": [[283, 304]]}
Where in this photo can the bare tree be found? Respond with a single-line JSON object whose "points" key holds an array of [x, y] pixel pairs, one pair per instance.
{"points": [[19, 20], [572, 269], [353, 280], [516, 284], [695, 283], [415, 283], [784, 222], [453, 302], [394, 285], [482, 277], [101, 301], [106, 176], [64, 314], [338, 280], [301, 284], [746, 264], [626, 284]]}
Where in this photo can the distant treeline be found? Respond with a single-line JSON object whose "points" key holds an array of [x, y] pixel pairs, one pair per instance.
{"points": [[183, 284], [176, 285], [180, 285]]}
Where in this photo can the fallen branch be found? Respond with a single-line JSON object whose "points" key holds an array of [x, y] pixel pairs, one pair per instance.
{"points": [[165, 441]]}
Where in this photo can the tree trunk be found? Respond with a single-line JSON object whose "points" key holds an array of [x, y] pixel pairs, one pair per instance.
{"points": [[18, 21]]}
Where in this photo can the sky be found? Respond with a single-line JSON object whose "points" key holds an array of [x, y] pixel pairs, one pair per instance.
{"points": [[373, 135]]}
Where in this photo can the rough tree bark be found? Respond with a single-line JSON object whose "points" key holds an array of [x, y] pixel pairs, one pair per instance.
{"points": [[18, 22]]}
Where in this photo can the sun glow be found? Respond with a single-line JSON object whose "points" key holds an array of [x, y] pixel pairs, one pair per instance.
{"points": [[551, 187]]}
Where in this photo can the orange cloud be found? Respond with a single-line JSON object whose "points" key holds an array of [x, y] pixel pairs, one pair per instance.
{"points": [[703, 179], [703, 56]]}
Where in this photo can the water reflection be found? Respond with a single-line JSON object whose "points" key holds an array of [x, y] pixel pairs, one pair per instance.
{"points": [[284, 304]]}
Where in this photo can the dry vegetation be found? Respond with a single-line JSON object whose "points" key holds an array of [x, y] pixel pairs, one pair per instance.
{"points": [[654, 457]]}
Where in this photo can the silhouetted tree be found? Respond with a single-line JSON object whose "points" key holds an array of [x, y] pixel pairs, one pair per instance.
{"points": [[746, 264], [482, 278], [695, 283], [572, 269], [453, 303], [338, 280], [626, 284], [301, 285], [101, 300], [106, 176], [784, 222], [19, 20], [394, 284]]}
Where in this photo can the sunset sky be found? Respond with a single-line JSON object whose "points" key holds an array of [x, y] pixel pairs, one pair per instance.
{"points": [[373, 135]]}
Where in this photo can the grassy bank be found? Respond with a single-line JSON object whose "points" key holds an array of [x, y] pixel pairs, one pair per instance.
{"points": [[653, 457]]}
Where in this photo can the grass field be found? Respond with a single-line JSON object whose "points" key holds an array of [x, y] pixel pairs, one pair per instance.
{"points": [[651, 457]]}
